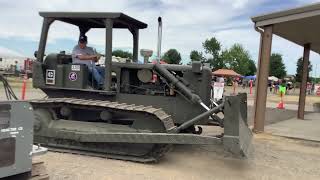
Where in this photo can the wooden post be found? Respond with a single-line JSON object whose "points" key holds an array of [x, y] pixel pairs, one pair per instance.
{"points": [[303, 85], [256, 94], [262, 80]]}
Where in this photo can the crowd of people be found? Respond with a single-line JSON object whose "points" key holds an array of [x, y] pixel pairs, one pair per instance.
{"points": [[274, 86]]}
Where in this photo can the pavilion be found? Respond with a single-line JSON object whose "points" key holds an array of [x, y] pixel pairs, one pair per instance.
{"points": [[299, 25]]}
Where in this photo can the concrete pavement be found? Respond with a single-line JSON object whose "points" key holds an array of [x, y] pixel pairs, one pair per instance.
{"points": [[308, 108], [308, 129]]}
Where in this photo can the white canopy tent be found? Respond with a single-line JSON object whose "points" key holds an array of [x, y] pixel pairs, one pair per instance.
{"points": [[273, 78]]}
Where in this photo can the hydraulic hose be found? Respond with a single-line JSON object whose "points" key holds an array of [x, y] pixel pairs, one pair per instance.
{"points": [[7, 88], [196, 119], [177, 83]]}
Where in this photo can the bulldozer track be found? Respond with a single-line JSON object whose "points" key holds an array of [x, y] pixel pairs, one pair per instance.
{"points": [[152, 156], [159, 113]]}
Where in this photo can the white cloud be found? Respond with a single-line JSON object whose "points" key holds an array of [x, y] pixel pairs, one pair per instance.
{"points": [[5, 52], [186, 23], [22, 19]]}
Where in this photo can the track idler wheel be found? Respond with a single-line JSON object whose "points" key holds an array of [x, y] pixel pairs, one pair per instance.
{"points": [[106, 116], [193, 130], [65, 111], [42, 119], [199, 131]]}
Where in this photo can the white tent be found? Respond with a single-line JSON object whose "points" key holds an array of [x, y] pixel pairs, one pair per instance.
{"points": [[273, 78]]}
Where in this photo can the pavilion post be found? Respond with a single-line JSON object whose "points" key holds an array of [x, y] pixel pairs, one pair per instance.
{"points": [[262, 79], [303, 85], [256, 94]]}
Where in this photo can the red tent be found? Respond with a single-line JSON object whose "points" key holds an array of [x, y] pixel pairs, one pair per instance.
{"points": [[226, 72]]}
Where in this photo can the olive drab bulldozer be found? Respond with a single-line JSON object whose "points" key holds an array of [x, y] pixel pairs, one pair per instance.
{"points": [[143, 108]]}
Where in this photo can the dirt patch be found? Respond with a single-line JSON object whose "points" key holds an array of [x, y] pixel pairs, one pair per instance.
{"points": [[273, 158]]}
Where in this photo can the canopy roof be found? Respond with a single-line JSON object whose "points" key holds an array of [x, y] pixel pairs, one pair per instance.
{"points": [[250, 77], [95, 19], [273, 78], [225, 72], [299, 25]]}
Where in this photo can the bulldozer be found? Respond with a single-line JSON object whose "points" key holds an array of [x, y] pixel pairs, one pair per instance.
{"points": [[142, 110]]}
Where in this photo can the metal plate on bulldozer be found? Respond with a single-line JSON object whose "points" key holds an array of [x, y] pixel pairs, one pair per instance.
{"points": [[237, 135], [4, 116], [75, 76], [16, 138]]}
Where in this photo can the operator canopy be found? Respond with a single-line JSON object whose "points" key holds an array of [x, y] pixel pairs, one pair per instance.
{"points": [[95, 19]]}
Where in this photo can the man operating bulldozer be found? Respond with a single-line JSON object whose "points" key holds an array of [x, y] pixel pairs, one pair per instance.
{"points": [[83, 54]]}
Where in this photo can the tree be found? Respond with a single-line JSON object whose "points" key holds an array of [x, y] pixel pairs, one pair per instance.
{"points": [[212, 46], [196, 56], [172, 56], [216, 63], [122, 54], [252, 69], [237, 59], [277, 67], [299, 70]]}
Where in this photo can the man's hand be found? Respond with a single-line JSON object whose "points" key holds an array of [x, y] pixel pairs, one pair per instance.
{"points": [[87, 57], [94, 58], [98, 56]]}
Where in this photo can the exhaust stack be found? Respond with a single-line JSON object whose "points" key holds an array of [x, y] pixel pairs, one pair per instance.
{"points": [[159, 39]]}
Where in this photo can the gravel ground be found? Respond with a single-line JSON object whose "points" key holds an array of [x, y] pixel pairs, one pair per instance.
{"points": [[273, 158]]}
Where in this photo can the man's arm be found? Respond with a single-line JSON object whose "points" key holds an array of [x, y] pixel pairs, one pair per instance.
{"points": [[76, 54], [87, 57]]}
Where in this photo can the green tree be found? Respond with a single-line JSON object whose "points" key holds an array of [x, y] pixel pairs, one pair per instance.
{"points": [[314, 79], [122, 54], [172, 56], [299, 69], [277, 67], [196, 56], [213, 47], [252, 69], [237, 59], [216, 63]]}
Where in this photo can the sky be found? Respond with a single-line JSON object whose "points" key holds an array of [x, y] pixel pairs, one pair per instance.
{"points": [[186, 24]]}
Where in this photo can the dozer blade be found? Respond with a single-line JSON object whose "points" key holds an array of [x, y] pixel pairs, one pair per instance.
{"points": [[237, 135]]}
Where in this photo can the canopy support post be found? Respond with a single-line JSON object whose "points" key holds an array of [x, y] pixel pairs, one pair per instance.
{"points": [[262, 79], [303, 85]]}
